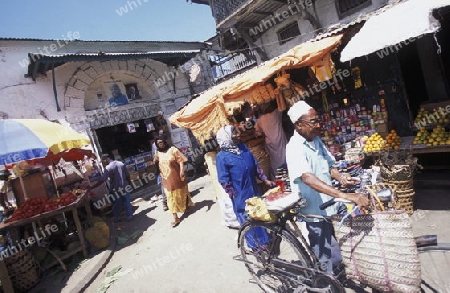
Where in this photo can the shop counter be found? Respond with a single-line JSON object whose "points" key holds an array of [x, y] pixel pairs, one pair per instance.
{"points": [[82, 201]]}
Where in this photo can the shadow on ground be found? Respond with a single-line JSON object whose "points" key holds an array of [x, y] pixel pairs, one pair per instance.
{"points": [[432, 190], [198, 206], [195, 191]]}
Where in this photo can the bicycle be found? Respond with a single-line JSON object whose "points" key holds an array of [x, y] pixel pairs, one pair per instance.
{"points": [[284, 262]]}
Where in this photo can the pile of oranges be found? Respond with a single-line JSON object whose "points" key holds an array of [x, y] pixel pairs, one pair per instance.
{"points": [[393, 141], [375, 143]]}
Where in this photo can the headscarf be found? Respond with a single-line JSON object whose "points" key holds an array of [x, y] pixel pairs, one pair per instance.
{"points": [[166, 144], [225, 140], [298, 110]]}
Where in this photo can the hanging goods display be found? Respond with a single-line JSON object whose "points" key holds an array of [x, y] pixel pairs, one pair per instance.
{"points": [[324, 69], [356, 75]]}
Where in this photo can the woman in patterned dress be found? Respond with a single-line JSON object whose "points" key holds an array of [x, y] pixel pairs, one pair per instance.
{"points": [[171, 165]]}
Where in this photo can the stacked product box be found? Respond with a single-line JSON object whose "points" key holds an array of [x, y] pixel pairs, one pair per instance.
{"points": [[282, 179]]}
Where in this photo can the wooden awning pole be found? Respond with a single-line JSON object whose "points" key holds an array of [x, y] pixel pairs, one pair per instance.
{"points": [[23, 188]]}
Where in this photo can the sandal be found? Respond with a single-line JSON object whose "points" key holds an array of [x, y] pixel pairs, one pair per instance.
{"points": [[176, 223]]}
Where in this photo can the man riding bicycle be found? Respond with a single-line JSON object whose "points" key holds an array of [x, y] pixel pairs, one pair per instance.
{"points": [[310, 170]]}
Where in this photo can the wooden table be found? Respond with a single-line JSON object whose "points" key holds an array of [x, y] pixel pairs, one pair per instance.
{"points": [[83, 200]]}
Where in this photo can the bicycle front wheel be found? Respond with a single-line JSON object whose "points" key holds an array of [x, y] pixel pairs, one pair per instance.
{"points": [[274, 258], [435, 264]]}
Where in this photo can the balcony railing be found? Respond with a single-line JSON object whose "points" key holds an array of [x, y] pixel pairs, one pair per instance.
{"points": [[233, 63]]}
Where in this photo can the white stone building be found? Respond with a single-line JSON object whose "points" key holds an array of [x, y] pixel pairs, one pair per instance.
{"points": [[69, 80], [259, 30]]}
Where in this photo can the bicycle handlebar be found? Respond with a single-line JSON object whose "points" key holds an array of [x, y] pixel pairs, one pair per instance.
{"points": [[332, 202]]}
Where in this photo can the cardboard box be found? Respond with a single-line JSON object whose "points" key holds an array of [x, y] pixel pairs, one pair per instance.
{"points": [[134, 175], [128, 161], [354, 155], [141, 166], [34, 187], [139, 160]]}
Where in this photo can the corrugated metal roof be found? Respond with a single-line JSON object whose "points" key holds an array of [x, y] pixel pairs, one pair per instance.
{"points": [[160, 54], [41, 62], [252, 11], [206, 2], [98, 41], [259, 12], [339, 27]]}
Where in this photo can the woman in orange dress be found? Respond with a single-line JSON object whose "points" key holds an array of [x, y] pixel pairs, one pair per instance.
{"points": [[171, 165]]}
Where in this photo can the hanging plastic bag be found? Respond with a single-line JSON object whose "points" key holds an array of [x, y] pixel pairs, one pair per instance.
{"points": [[257, 210], [226, 209]]}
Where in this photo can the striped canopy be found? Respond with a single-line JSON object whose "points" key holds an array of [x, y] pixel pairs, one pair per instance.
{"points": [[25, 139]]}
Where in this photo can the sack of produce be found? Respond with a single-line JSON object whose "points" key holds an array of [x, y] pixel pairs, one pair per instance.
{"points": [[98, 235]]}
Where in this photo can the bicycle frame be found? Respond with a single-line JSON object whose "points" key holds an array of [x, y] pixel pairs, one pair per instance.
{"points": [[299, 274], [287, 220]]}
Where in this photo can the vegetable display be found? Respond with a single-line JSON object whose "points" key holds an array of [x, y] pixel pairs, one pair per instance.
{"points": [[37, 206]]}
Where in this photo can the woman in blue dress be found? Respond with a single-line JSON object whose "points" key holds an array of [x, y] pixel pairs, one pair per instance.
{"points": [[237, 170]]}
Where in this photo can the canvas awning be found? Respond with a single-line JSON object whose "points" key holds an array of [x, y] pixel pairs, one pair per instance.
{"points": [[403, 22], [208, 112]]}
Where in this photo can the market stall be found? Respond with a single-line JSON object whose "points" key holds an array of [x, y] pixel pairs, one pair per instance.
{"points": [[223, 104], [205, 114], [408, 41], [363, 105], [36, 215], [431, 127], [132, 143], [41, 211]]}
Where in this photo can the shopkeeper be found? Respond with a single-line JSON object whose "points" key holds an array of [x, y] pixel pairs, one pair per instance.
{"points": [[310, 170], [269, 125]]}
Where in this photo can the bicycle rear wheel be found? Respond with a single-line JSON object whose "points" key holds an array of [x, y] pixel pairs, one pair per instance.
{"points": [[435, 263], [273, 258]]}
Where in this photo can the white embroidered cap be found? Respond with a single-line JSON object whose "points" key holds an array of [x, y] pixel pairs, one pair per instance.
{"points": [[298, 110]]}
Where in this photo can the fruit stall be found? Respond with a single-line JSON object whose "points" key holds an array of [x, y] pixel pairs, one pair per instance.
{"points": [[431, 125], [431, 128], [46, 226], [39, 220], [30, 229]]}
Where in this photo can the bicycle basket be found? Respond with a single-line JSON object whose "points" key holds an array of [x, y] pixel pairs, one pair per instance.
{"points": [[379, 250]]}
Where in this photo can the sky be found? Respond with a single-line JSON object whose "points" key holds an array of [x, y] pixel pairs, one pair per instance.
{"points": [[112, 20]]}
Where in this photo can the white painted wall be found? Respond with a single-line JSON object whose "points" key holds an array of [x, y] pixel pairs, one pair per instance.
{"points": [[327, 14], [21, 97], [77, 83]]}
